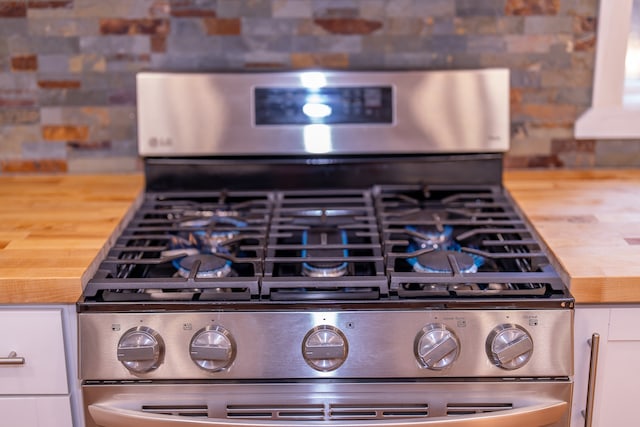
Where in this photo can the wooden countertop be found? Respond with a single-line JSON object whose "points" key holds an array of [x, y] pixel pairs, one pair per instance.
{"points": [[55, 229], [52, 229], [590, 222]]}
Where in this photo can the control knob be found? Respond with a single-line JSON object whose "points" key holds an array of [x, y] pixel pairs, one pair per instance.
{"points": [[325, 348], [140, 349], [509, 346], [436, 346], [212, 348]]}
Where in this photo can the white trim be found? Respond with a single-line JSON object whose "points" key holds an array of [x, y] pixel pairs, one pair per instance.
{"points": [[608, 117], [609, 122]]}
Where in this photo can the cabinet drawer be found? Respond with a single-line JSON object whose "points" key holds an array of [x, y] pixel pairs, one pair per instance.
{"points": [[36, 336], [42, 411], [623, 324]]}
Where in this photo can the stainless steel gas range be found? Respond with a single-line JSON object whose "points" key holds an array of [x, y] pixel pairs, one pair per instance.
{"points": [[325, 249]]}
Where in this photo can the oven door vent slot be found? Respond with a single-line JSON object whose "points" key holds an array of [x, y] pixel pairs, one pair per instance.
{"points": [[177, 410], [361, 412], [319, 412], [476, 408], [330, 412], [277, 412]]}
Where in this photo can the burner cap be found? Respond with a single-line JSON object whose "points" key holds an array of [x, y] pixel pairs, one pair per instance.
{"points": [[438, 262], [324, 269], [211, 266]]}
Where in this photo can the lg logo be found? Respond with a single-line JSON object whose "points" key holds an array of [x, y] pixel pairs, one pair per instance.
{"points": [[158, 142]]}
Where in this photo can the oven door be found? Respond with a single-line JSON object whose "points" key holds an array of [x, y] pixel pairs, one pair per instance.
{"points": [[365, 404]]}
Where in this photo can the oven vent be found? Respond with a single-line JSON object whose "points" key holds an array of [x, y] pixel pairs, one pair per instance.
{"points": [[276, 412], [361, 412], [177, 410], [330, 412], [476, 408]]}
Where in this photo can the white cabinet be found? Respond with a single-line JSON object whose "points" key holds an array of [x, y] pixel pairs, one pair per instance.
{"points": [[31, 411], [618, 371], [34, 389]]}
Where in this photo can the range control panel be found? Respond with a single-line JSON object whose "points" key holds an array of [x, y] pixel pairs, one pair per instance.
{"points": [[348, 344]]}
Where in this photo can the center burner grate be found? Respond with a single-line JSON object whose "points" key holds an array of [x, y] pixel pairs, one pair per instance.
{"points": [[324, 245]]}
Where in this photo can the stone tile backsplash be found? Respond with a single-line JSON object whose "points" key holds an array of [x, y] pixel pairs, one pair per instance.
{"points": [[67, 67]]}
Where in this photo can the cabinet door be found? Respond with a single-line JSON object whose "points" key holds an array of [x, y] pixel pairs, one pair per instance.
{"points": [[36, 336], [587, 322], [618, 373], [27, 411], [619, 378]]}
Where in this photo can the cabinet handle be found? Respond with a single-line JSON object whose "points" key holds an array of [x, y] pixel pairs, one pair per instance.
{"points": [[594, 342], [12, 359]]}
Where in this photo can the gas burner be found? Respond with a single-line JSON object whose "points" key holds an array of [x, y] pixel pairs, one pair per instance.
{"points": [[199, 242], [318, 237], [210, 266], [179, 252], [213, 220], [214, 242], [430, 236], [192, 210], [427, 229], [211, 233], [324, 269], [438, 262], [324, 217], [182, 246]]}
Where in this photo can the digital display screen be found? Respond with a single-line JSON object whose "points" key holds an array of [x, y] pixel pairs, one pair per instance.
{"points": [[326, 105]]}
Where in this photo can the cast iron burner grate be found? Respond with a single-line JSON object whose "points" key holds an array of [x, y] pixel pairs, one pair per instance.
{"points": [[200, 246], [324, 245], [443, 241], [380, 244]]}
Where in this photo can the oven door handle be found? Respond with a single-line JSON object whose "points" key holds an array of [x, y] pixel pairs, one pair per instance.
{"points": [[530, 416]]}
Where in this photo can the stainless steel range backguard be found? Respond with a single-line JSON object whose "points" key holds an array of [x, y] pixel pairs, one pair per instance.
{"points": [[191, 114]]}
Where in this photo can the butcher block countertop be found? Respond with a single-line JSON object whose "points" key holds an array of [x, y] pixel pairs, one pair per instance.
{"points": [[55, 229], [590, 222], [52, 230]]}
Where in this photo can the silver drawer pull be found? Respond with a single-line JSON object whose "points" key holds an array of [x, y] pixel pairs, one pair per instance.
{"points": [[594, 342], [12, 359]]}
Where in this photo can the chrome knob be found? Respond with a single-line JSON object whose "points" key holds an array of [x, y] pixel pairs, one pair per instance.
{"points": [[325, 348], [436, 346], [140, 349], [212, 348], [509, 346]]}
